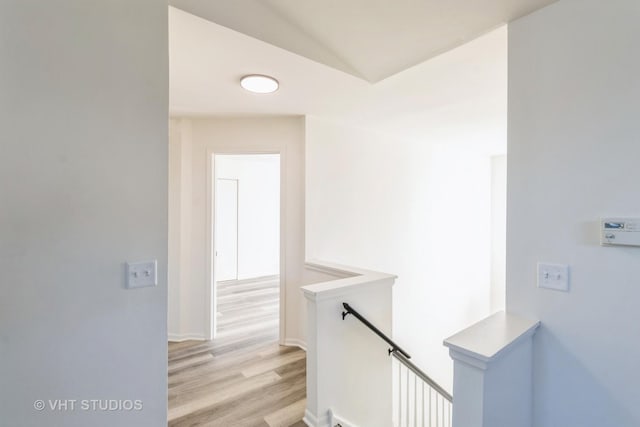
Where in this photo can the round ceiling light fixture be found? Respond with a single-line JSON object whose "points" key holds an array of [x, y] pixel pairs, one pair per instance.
{"points": [[258, 83]]}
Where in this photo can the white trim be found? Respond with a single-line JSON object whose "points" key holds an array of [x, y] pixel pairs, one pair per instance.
{"points": [[295, 342], [283, 243], [346, 288], [350, 280], [460, 356], [210, 327], [313, 421], [210, 310], [185, 337], [490, 338], [335, 420], [340, 270], [327, 269]]}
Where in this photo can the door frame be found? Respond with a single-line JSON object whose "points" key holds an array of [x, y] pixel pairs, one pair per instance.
{"points": [[210, 309]]}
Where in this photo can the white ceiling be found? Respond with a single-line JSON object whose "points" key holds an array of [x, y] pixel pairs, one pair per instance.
{"points": [[370, 39], [320, 54], [468, 83]]}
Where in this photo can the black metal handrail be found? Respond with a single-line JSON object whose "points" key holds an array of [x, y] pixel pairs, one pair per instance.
{"points": [[397, 352], [394, 347]]}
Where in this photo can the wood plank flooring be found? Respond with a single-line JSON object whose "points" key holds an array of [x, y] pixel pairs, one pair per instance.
{"points": [[243, 378], [248, 307]]}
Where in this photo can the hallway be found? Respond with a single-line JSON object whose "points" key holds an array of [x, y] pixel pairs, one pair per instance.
{"points": [[242, 378]]}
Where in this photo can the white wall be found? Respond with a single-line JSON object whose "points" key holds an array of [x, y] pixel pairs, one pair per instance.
{"points": [[420, 210], [258, 211], [573, 157], [498, 232], [179, 241], [199, 138], [411, 195], [83, 189]]}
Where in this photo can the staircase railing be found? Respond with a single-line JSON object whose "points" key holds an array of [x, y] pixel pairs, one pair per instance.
{"points": [[418, 399]]}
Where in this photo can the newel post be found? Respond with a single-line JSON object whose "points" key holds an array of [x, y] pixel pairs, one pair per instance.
{"points": [[492, 380]]}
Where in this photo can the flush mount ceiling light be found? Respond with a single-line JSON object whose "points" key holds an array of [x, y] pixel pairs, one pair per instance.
{"points": [[258, 83]]}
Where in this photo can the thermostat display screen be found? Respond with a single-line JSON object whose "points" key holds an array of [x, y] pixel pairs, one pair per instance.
{"points": [[620, 232], [614, 225]]}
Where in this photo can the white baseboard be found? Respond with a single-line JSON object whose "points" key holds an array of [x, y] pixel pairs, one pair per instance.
{"points": [[313, 421], [185, 337], [309, 419], [335, 420], [294, 342], [327, 420]]}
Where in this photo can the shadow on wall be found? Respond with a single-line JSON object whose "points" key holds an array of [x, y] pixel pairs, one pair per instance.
{"points": [[562, 383]]}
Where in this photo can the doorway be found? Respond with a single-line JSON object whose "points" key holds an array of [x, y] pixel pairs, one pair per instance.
{"points": [[246, 246], [226, 229]]}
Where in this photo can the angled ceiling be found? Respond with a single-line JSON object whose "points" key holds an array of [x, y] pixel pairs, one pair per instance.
{"points": [[369, 39], [468, 83]]}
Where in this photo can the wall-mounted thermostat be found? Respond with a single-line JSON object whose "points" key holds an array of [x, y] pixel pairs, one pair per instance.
{"points": [[620, 231]]}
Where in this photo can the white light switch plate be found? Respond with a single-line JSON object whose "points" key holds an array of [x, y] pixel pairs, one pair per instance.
{"points": [[142, 274], [553, 276]]}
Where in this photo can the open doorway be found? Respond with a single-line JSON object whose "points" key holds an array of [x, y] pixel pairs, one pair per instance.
{"points": [[246, 247]]}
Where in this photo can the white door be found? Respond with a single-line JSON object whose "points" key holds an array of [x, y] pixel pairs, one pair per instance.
{"points": [[226, 230]]}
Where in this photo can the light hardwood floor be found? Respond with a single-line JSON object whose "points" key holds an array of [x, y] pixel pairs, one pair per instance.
{"points": [[243, 378]]}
